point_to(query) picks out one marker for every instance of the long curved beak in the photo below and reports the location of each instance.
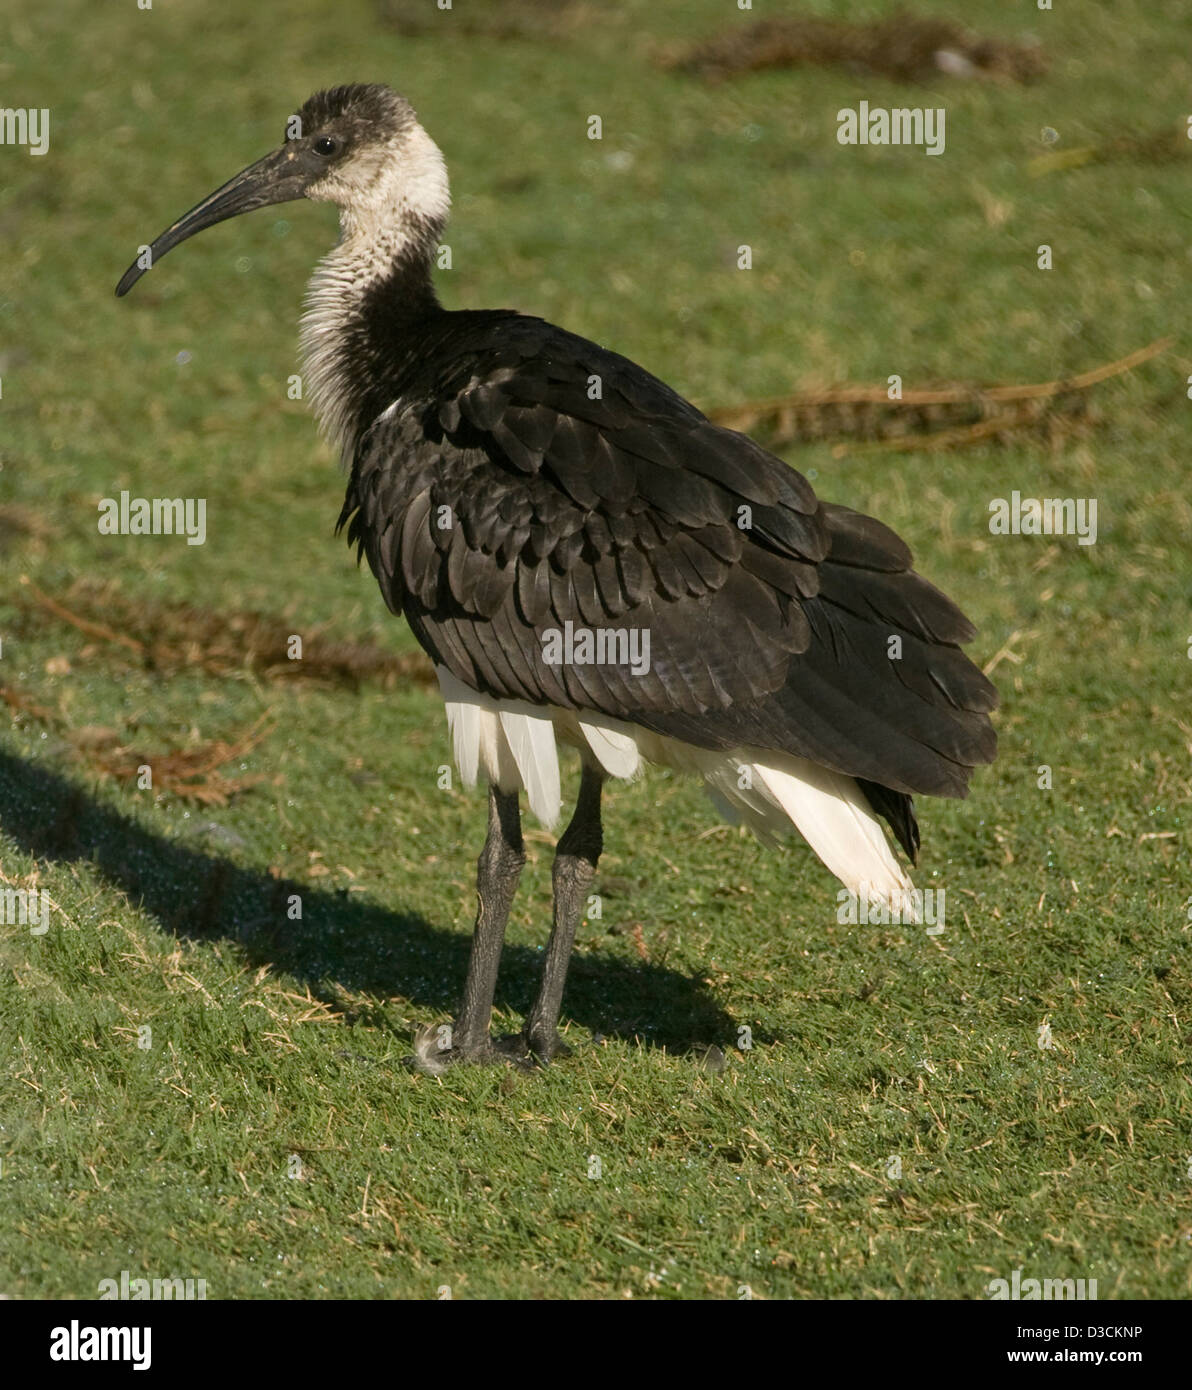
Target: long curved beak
(278, 178)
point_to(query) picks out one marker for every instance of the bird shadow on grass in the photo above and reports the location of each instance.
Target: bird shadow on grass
(340, 943)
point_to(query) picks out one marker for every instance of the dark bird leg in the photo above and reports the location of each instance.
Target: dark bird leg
(575, 864)
(497, 872)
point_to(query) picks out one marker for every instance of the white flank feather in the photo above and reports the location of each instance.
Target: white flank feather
(478, 741)
(532, 743)
(463, 721)
(465, 711)
(617, 753)
(496, 761)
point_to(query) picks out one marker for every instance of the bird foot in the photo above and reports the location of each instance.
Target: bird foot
(545, 1046)
(526, 1051)
(431, 1057)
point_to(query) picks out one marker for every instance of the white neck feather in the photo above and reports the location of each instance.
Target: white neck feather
(379, 225)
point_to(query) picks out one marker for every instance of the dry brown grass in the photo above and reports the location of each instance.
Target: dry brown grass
(904, 47)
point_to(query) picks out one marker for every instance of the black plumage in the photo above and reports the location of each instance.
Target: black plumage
(770, 612)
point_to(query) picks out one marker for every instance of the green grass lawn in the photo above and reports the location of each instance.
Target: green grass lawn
(268, 1139)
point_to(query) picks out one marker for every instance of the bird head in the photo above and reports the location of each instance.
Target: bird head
(359, 147)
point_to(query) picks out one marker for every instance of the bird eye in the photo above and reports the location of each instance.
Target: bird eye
(326, 145)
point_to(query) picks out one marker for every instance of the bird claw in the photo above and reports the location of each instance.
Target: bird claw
(434, 1059)
(514, 1049)
(546, 1049)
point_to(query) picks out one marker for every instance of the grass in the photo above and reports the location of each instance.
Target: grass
(267, 1140)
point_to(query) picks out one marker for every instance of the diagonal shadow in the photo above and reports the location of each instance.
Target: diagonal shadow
(340, 940)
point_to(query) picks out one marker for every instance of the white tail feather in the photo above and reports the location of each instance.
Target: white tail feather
(830, 812)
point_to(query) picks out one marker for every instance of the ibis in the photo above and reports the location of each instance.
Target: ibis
(588, 560)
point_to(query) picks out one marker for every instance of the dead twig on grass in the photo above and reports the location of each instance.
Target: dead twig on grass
(172, 637)
(191, 774)
(934, 417)
(904, 47)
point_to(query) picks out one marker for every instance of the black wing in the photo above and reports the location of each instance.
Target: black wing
(557, 481)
